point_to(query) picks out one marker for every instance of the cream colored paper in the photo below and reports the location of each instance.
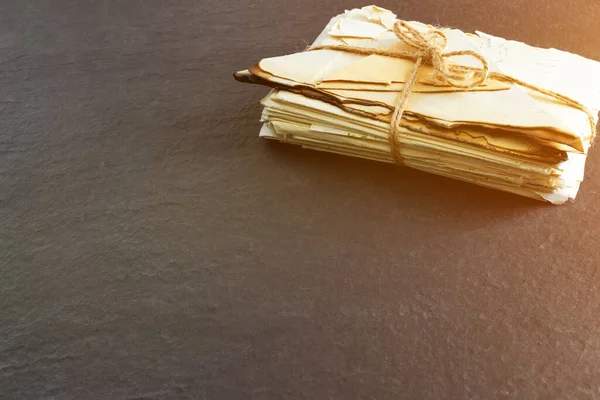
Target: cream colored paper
(497, 135)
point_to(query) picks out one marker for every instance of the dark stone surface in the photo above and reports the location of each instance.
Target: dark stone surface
(151, 246)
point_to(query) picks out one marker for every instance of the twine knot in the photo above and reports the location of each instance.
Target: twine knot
(429, 48)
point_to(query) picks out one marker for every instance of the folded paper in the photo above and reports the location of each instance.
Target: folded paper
(526, 128)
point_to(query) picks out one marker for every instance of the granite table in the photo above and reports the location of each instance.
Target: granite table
(153, 247)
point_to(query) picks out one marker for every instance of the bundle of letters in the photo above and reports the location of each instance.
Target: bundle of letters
(473, 107)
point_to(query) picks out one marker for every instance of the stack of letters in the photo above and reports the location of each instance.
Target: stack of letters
(497, 134)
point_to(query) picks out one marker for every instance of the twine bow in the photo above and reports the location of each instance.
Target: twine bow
(428, 49)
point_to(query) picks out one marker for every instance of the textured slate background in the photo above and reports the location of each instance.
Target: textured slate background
(152, 247)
